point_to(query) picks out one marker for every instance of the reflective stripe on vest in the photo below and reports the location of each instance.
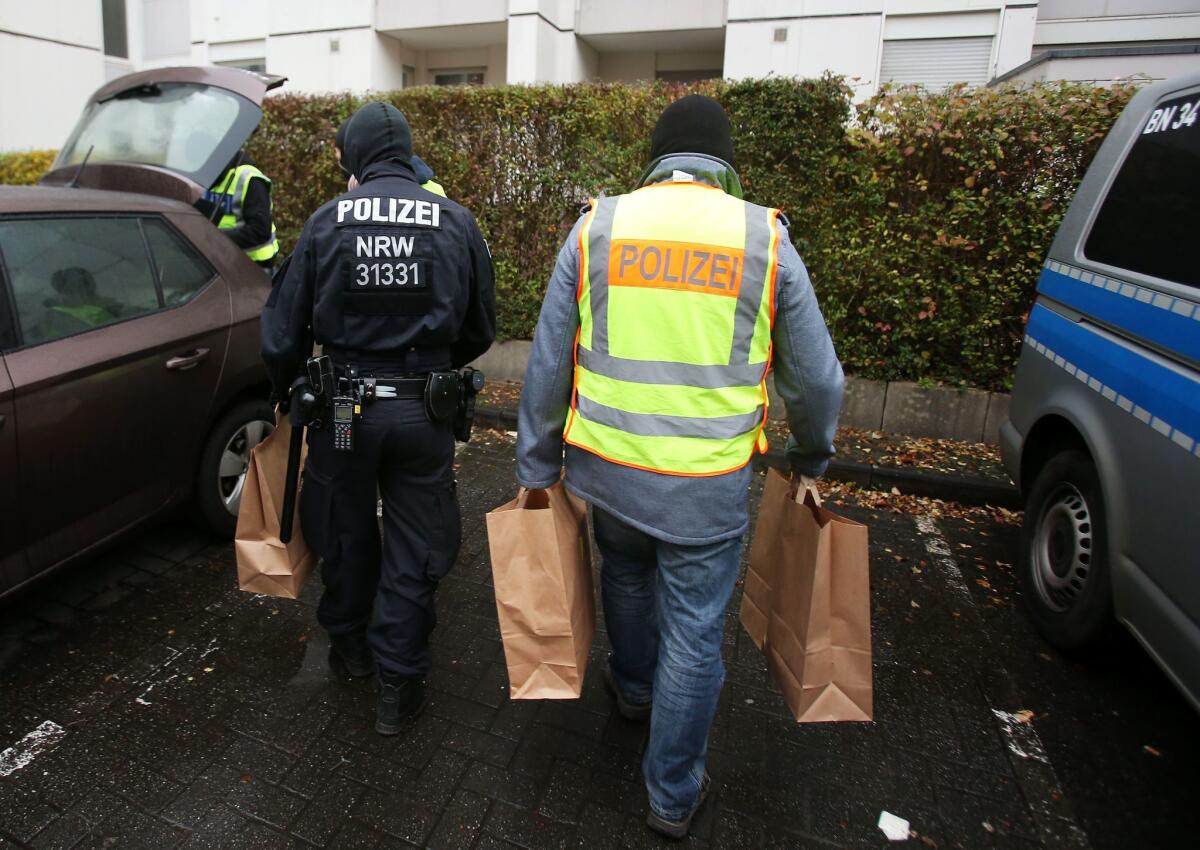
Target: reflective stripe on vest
(234, 187)
(676, 301)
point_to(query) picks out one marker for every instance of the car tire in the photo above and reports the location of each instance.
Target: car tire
(1064, 570)
(222, 471)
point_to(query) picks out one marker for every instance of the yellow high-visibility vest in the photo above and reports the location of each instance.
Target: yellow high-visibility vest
(433, 186)
(230, 194)
(676, 304)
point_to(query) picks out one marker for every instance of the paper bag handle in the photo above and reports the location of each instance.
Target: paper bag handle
(804, 490)
(532, 499)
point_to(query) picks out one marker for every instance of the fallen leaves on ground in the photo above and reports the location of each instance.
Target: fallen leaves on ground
(850, 494)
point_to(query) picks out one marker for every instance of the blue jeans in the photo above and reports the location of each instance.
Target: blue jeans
(664, 606)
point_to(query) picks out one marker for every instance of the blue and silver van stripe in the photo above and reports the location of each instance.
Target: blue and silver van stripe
(1162, 398)
(1168, 321)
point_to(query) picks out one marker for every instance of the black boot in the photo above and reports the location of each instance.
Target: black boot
(350, 656)
(401, 699)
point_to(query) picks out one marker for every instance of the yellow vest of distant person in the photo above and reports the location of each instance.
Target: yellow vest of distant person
(235, 185)
(676, 303)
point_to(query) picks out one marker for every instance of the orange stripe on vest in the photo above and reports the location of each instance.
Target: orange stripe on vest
(685, 266)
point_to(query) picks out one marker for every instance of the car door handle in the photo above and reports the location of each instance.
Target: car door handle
(183, 362)
(3, 419)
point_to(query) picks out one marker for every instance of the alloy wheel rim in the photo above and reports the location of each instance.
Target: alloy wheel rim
(1062, 548)
(235, 461)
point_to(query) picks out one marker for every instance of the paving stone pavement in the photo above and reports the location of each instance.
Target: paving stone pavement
(146, 703)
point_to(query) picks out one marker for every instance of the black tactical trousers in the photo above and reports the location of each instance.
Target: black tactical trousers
(410, 460)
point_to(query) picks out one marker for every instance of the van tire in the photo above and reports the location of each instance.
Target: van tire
(207, 493)
(1063, 569)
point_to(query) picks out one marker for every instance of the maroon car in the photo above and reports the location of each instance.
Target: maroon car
(130, 378)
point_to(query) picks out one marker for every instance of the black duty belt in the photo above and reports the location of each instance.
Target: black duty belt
(395, 387)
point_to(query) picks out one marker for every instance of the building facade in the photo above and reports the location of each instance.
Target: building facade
(53, 53)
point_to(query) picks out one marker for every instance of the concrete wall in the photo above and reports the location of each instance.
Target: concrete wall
(598, 17)
(411, 14)
(51, 60)
(849, 44)
(1089, 23)
(1102, 70)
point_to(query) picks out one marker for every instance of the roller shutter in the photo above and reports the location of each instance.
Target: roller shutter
(937, 62)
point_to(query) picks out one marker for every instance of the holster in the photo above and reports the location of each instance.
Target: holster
(471, 381)
(442, 390)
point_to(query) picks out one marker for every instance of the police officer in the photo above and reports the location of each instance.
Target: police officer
(243, 197)
(424, 173)
(396, 283)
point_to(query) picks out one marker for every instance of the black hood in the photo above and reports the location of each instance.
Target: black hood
(339, 142)
(422, 169)
(378, 132)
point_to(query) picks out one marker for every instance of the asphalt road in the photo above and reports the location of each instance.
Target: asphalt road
(145, 702)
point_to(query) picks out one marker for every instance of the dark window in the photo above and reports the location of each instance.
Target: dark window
(116, 35)
(464, 77)
(181, 271)
(1147, 223)
(70, 275)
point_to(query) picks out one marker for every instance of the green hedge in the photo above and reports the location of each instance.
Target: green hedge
(923, 217)
(26, 168)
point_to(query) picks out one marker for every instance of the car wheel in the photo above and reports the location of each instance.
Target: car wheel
(224, 461)
(1064, 570)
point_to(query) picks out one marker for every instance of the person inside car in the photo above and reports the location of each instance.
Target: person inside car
(77, 306)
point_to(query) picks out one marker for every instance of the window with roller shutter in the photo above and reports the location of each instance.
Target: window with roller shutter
(937, 62)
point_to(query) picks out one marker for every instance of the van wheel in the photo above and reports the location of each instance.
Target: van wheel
(1064, 570)
(224, 460)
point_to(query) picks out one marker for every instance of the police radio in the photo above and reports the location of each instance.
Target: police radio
(344, 406)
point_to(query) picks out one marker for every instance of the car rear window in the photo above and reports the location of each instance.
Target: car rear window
(70, 275)
(181, 271)
(1147, 222)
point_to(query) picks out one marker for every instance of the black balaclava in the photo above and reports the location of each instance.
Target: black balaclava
(378, 132)
(693, 124)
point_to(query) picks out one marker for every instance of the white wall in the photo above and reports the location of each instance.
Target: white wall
(598, 17)
(846, 45)
(312, 65)
(542, 45)
(1103, 70)
(47, 69)
(415, 14)
(41, 115)
(621, 67)
(1015, 39)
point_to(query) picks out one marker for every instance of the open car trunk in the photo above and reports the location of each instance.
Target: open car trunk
(169, 132)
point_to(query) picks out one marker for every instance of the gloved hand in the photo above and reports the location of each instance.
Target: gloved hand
(803, 482)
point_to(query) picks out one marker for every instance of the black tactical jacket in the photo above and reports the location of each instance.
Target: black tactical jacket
(386, 275)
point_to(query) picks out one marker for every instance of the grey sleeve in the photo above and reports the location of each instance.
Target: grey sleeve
(550, 374)
(808, 375)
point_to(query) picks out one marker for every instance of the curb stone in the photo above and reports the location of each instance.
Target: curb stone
(966, 489)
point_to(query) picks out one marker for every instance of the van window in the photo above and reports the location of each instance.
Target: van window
(73, 274)
(181, 271)
(1147, 223)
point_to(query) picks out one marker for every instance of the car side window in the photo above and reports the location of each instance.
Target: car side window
(70, 275)
(181, 271)
(1148, 220)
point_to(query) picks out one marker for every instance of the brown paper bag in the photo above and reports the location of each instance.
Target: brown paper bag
(807, 604)
(265, 565)
(542, 571)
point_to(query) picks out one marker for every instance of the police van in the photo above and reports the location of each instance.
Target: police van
(1104, 431)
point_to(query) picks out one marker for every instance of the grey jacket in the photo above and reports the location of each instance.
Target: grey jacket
(678, 509)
